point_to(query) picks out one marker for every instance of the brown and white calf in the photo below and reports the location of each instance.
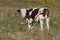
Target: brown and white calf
(35, 14)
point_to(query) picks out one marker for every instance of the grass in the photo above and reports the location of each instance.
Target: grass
(12, 29)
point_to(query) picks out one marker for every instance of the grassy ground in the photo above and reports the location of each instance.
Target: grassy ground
(12, 29)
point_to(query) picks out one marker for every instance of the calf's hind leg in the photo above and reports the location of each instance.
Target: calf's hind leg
(47, 23)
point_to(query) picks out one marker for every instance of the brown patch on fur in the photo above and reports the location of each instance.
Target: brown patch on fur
(46, 12)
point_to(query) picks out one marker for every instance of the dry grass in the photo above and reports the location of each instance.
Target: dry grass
(12, 29)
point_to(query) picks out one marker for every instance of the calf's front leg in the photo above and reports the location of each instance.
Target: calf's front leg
(30, 23)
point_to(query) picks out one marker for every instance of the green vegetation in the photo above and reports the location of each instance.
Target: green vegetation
(10, 21)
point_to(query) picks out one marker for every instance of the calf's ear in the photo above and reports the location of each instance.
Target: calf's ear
(18, 10)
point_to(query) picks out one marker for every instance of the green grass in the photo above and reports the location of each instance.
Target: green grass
(12, 29)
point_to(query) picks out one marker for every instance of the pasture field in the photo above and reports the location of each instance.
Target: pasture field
(12, 29)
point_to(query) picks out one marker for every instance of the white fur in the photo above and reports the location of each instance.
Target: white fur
(41, 18)
(41, 21)
(23, 12)
(40, 11)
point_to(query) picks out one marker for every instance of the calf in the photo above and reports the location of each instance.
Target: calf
(35, 14)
